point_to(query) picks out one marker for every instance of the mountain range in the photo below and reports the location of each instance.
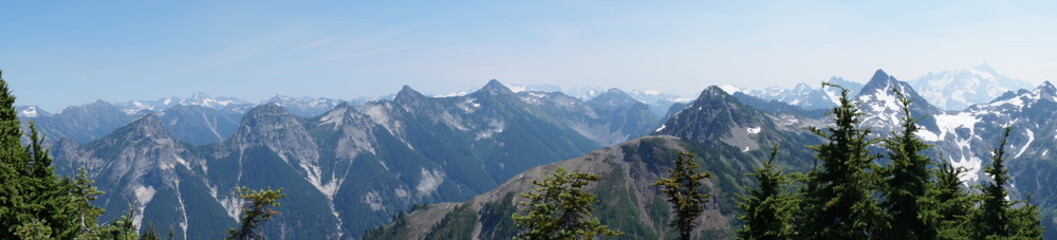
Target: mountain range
(356, 165)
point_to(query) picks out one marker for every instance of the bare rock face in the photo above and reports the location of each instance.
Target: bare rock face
(272, 126)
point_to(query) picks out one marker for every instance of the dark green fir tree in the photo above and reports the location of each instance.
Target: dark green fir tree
(906, 180)
(683, 189)
(765, 209)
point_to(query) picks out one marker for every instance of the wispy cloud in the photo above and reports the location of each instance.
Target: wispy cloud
(247, 49)
(316, 44)
(363, 53)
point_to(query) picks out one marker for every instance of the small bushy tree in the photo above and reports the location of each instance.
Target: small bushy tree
(559, 208)
(683, 189)
(255, 212)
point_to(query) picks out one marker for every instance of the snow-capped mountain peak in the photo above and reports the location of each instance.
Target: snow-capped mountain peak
(31, 111)
(196, 99)
(958, 89)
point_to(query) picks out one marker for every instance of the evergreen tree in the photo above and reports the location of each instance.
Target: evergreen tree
(996, 218)
(49, 196)
(993, 217)
(949, 203)
(13, 161)
(33, 193)
(765, 208)
(150, 233)
(839, 201)
(36, 230)
(906, 180)
(1025, 221)
(84, 194)
(683, 189)
(255, 212)
(559, 208)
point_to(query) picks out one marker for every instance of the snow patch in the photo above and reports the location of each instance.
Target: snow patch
(753, 130)
(373, 200)
(469, 105)
(495, 126)
(1031, 138)
(949, 122)
(454, 94)
(730, 89)
(429, 181)
(518, 89)
(660, 128)
(972, 167)
(401, 193)
(30, 112)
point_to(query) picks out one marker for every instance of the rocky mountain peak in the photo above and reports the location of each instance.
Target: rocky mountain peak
(613, 98)
(494, 87)
(1048, 88)
(880, 81)
(147, 126)
(712, 93)
(716, 115)
(407, 95)
(271, 124)
(267, 109)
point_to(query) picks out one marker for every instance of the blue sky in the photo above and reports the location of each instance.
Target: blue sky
(57, 54)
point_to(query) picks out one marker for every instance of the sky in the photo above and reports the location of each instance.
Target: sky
(61, 53)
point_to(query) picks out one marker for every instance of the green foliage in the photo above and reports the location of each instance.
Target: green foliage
(150, 233)
(255, 211)
(35, 230)
(994, 209)
(35, 201)
(558, 208)
(949, 204)
(121, 228)
(839, 201)
(906, 180)
(683, 189)
(995, 217)
(85, 193)
(765, 209)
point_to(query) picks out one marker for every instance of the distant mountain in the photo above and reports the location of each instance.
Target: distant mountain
(31, 112)
(802, 95)
(658, 101)
(81, 123)
(200, 125)
(197, 99)
(775, 106)
(608, 119)
(958, 89)
(625, 113)
(305, 106)
(880, 104)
